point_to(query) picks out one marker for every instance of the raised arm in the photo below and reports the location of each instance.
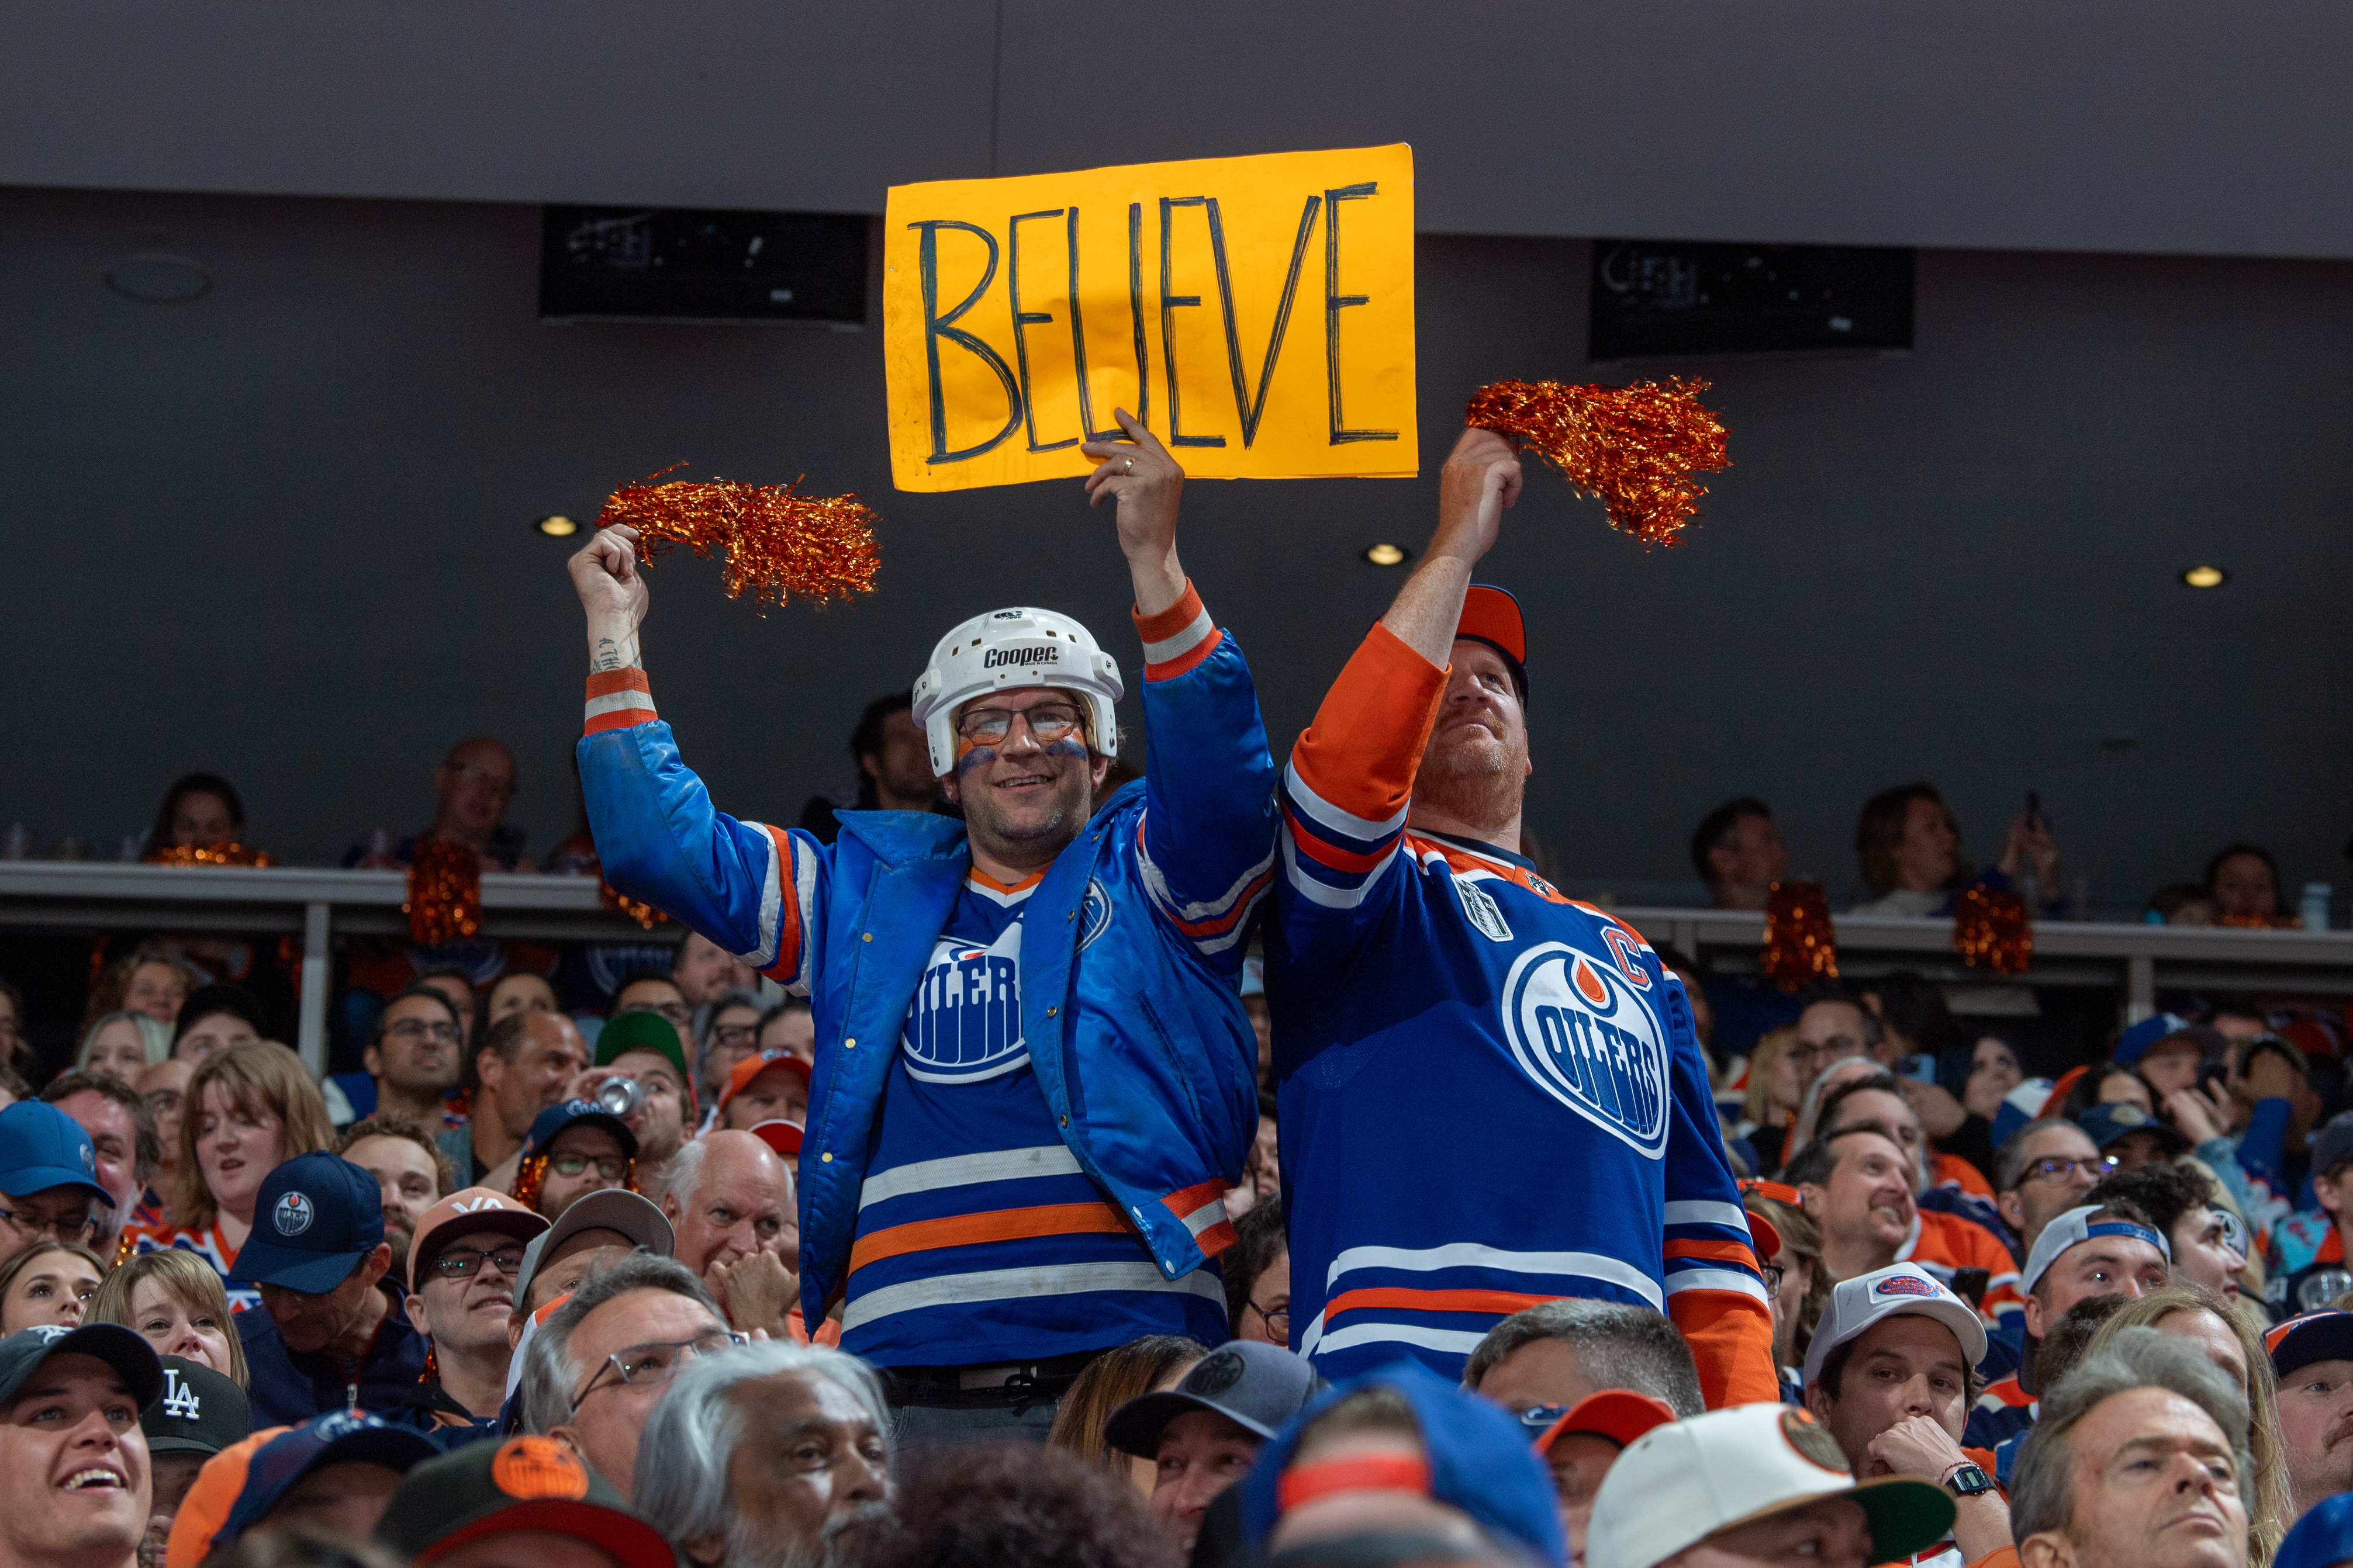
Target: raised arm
(1481, 476)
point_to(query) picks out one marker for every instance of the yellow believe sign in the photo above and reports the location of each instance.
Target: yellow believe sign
(1257, 313)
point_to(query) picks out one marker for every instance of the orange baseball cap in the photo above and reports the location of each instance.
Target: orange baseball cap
(1617, 1414)
(210, 1497)
(1492, 615)
(751, 1068)
(1763, 1238)
(474, 1209)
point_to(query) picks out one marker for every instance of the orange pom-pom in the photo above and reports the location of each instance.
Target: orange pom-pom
(1799, 946)
(779, 545)
(1990, 928)
(1634, 446)
(445, 893)
(207, 855)
(646, 915)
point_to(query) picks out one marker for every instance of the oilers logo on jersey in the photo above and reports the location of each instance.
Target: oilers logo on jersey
(1591, 1041)
(964, 1024)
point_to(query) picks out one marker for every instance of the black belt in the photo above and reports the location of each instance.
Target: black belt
(985, 1385)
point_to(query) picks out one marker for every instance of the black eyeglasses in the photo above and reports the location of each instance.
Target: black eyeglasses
(419, 1029)
(611, 1168)
(658, 1361)
(1048, 722)
(464, 1262)
(1278, 1317)
(735, 1037)
(71, 1226)
(2059, 1170)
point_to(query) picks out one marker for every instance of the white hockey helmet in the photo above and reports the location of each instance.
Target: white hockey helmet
(1008, 649)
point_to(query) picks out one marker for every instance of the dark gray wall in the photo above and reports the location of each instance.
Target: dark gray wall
(2121, 125)
(282, 533)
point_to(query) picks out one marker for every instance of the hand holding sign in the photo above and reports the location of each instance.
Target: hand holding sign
(1144, 483)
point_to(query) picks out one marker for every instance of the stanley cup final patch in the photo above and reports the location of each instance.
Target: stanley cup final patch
(1482, 910)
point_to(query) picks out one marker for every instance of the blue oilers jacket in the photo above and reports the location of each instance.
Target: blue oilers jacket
(1129, 971)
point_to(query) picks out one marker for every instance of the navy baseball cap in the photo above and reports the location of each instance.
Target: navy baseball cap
(2111, 1123)
(338, 1438)
(41, 1147)
(557, 1118)
(117, 1346)
(317, 1216)
(1255, 1387)
(2144, 1036)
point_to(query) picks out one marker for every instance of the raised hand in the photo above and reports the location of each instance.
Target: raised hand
(1481, 476)
(1144, 483)
(613, 593)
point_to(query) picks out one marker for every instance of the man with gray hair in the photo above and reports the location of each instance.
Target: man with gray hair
(730, 1199)
(2138, 1462)
(1555, 1352)
(603, 1360)
(767, 1456)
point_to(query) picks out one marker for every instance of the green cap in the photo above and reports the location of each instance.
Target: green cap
(626, 1032)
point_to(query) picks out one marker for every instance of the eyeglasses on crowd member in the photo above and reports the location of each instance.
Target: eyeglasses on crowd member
(201, 1414)
(165, 1088)
(331, 1334)
(471, 789)
(121, 1134)
(523, 1501)
(2041, 1171)
(248, 1110)
(456, 984)
(1582, 1447)
(1795, 1278)
(47, 1178)
(768, 1453)
(527, 1061)
(50, 1281)
(601, 1361)
(2204, 1319)
(1202, 1436)
(410, 1169)
(75, 1486)
(462, 1278)
(1121, 1373)
(415, 1055)
(732, 1034)
(176, 1301)
(122, 1044)
(1258, 1277)
(574, 1149)
(2135, 1465)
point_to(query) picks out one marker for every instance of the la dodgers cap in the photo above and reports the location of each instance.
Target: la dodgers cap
(1492, 615)
(1682, 1481)
(132, 1357)
(2076, 1227)
(1619, 1415)
(527, 1483)
(201, 1412)
(338, 1438)
(1255, 1387)
(41, 1147)
(317, 1216)
(2110, 1124)
(1896, 1290)
(629, 1214)
(2314, 1336)
(750, 1067)
(557, 1118)
(463, 1214)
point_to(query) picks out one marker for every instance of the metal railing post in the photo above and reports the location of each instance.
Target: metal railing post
(312, 1041)
(2140, 988)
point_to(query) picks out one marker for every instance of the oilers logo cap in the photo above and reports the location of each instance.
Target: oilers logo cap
(1901, 1290)
(1682, 1481)
(41, 1147)
(317, 1216)
(1005, 651)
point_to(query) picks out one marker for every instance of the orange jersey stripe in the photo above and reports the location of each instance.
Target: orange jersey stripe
(788, 913)
(1717, 1251)
(1323, 854)
(1731, 1339)
(999, 1225)
(1399, 1298)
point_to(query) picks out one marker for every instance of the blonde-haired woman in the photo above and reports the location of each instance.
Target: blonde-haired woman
(1774, 1095)
(248, 1110)
(174, 1301)
(122, 1044)
(2205, 1318)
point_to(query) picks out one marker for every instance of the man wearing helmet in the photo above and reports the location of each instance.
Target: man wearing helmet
(1019, 1130)
(1422, 975)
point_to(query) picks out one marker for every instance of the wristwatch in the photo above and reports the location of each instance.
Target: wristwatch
(1969, 1480)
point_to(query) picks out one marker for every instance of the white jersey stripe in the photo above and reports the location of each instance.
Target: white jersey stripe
(1682, 1279)
(966, 1170)
(1157, 885)
(772, 905)
(1472, 1254)
(1694, 1211)
(615, 702)
(1184, 642)
(1460, 1342)
(1208, 1214)
(1323, 893)
(804, 890)
(1317, 809)
(1004, 1284)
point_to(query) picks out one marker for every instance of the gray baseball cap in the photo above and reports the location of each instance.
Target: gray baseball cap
(1257, 1387)
(629, 1214)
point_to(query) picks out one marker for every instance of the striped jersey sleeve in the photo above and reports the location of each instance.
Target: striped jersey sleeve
(1350, 784)
(747, 886)
(1205, 842)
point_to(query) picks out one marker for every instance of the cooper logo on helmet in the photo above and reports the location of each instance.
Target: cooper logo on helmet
(1014, 657)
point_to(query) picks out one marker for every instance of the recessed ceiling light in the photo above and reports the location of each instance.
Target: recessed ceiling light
(557, 526)
(158, 279)
(1386, 554)
(2204, 577)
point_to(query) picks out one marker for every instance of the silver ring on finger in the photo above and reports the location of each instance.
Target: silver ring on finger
(1130, 467)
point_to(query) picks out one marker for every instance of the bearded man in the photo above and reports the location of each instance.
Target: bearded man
(1424, 977)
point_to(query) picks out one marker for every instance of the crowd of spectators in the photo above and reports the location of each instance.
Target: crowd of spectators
(523, 1283)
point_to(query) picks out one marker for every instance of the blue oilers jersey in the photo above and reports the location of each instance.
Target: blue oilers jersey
(979, 1239)
(1491, 1095)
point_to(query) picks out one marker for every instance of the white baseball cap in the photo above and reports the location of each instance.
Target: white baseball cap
(2076, 1227)
(1855, 1304)
(1682, 1481)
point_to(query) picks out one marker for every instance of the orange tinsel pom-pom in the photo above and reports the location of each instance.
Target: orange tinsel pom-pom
(207, 855)
(1799, 946)
(1990, 928)
(777, 543)
(445, 893)
(1634, 446)
(646, 915)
